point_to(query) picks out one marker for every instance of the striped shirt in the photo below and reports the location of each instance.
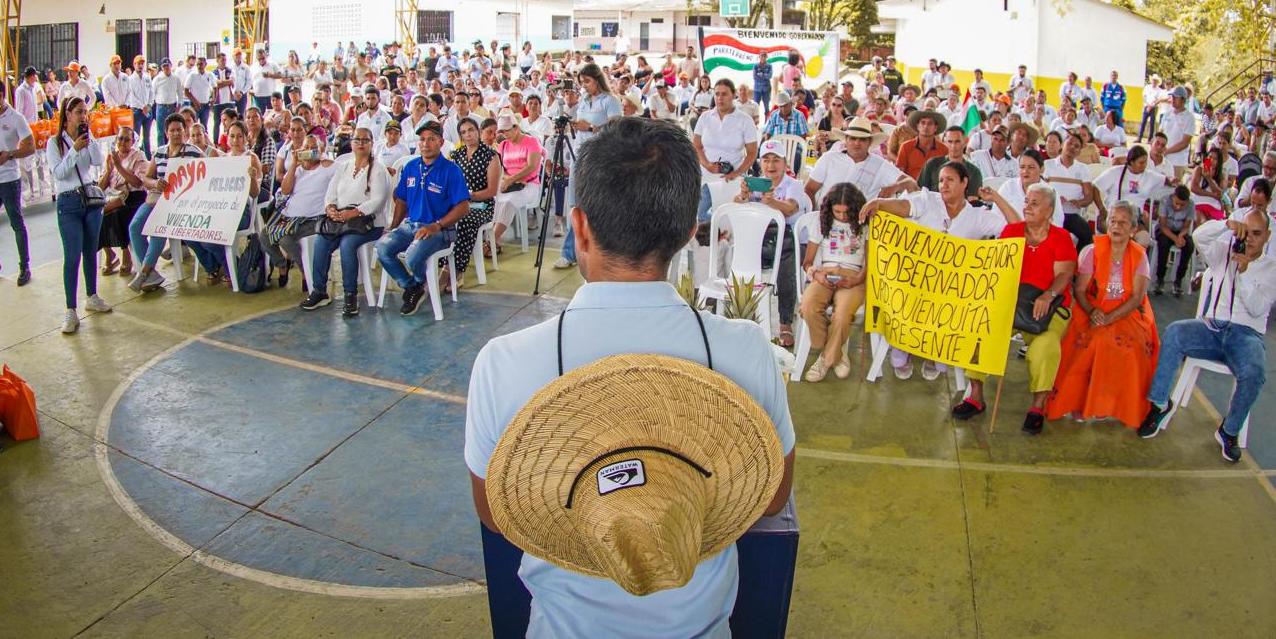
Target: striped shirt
(164, 154)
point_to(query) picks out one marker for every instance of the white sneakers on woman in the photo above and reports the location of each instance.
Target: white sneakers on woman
(71, 321)
(819, 369)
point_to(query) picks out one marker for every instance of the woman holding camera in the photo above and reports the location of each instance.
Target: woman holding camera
(147, 251)
(71, 155)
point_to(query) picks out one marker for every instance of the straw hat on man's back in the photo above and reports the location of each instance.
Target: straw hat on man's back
(634, 468)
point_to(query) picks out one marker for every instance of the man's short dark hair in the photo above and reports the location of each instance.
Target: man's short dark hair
(1183, 193)
(725, 82)
(650, 211)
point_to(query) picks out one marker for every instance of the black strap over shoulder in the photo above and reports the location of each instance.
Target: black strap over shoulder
(708, 353)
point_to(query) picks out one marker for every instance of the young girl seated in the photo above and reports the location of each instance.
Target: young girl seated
(835, 267)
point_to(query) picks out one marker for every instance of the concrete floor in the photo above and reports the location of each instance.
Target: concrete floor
(130, 518)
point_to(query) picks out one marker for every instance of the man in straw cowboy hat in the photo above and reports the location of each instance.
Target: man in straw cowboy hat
(627, 478)
(914, 153)
(872, 174)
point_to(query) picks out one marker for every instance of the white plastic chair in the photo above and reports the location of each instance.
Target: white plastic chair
(880, 349)
(748, 224)
(520, 223)
(1192, 367)
(431, 280)
(1118, 152)
(805, 230)
(489, 230)
(307, 254)
(232, 268)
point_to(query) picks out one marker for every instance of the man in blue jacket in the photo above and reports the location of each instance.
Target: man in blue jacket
(1113, 98)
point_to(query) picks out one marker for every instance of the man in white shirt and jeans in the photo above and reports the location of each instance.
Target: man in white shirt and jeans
(16, 142)
(167, 91)
(199, 90)
(1179, 125)
(726, 143)
(1241, 287)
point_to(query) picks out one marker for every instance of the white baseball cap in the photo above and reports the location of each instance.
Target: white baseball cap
(772, 147)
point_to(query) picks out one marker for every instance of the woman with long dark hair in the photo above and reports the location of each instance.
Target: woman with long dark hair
(482, 170)
(1133, 182)
(72, 154)
(835, 266)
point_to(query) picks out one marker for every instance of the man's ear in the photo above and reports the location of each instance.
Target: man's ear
(584, 234)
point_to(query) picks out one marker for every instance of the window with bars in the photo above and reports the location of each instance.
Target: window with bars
(699, 21)
(48, 46)
(156, 39)
(433, 27)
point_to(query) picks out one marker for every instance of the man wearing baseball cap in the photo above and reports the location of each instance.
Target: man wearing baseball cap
(1179, 124)
(75, 86)
(115, 85)
(631, 500)
(167, 90)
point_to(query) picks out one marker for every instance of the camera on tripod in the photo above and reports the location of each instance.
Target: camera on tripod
(561, 122)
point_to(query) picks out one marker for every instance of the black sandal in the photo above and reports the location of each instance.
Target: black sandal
(966, 409)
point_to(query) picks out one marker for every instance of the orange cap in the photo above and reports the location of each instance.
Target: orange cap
(73, 67)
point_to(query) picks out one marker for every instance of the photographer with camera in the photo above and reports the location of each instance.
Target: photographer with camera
(71, 155)
(726, 143)
(595, 108)
(1241, 282)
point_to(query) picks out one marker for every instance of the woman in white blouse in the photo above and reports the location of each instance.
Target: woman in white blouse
(212, 257)
(355, 214)
(72, 154)
(1109, 136)
(1013, 193)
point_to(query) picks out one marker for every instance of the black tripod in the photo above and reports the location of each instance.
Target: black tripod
(562, 151)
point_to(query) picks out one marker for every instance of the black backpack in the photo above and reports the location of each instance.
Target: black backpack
(251, 268)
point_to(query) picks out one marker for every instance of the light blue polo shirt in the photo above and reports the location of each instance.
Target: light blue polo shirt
(610, 318)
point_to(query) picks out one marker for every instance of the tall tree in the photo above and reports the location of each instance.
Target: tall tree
(857, 17)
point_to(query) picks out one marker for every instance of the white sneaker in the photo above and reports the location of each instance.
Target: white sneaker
(97, 305)
(904, 372)
(843, 369)
(930, 371)
(563, 263)
(151, 282)
(71, 322)
(558, 227)
(135, 284)
(817, 371)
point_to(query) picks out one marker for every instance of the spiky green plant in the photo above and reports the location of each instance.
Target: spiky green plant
(687, 291)
(742, 300)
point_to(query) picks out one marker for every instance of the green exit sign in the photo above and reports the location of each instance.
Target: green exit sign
(734, 8)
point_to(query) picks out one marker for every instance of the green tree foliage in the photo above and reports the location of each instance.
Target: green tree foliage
(857, 17)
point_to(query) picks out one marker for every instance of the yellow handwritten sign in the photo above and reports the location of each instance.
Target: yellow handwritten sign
(940, 297)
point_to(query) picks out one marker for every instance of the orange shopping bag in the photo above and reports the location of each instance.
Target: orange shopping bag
(101, 124)
(17, 407)
(122, 117)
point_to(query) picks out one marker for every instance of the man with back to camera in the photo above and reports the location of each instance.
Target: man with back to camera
(627, 231)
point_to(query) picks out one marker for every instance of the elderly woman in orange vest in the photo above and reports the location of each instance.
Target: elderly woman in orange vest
(1110, 349)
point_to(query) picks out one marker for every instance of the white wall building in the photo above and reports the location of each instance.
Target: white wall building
(53, 33)
(659, 26)
(295, 24)
(1091, 38)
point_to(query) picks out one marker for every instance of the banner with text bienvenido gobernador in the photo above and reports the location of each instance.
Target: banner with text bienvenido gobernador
(940, 297)
(204, 201)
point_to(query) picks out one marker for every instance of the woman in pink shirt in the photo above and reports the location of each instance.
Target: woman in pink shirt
(520, 172)
(792, 71)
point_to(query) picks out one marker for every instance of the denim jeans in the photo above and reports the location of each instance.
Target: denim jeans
(1149, 121)
(146, 250)
(762, 95)
(706, 205)
(201, 117)
(402, 238)
(11, 196)
(162, 111)
(212, 257)
(349, 245)
(142, 127)
(79, 228)
(263, 103)
(565, 199)
(1238, 346)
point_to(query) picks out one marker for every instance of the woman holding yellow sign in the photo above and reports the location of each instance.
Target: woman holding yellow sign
(947, 211)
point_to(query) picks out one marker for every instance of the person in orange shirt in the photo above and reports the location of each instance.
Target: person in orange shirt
(914, 153)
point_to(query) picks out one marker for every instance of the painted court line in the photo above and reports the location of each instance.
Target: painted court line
(298, 364)
(101, 452)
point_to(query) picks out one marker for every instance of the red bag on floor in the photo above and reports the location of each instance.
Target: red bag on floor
(17, 407)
